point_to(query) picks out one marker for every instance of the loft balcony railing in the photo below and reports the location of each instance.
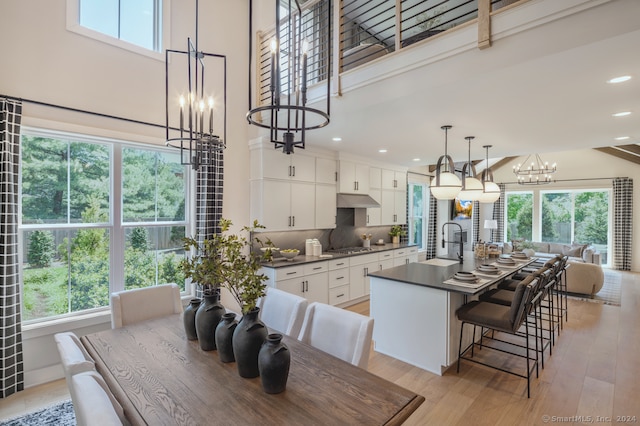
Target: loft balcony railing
(364, 30)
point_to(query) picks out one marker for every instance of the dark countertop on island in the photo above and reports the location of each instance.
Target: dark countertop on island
(424, 274)
(281, 262)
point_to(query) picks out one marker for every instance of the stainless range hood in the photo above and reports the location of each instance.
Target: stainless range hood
(356, 201)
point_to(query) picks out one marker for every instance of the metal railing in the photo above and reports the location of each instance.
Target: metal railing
(367, 29)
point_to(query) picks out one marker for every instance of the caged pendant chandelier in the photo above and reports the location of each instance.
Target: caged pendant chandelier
(190, 106)
(472, 188)
(491, 191)
(446, 185)
(538, 172)
(297, 57)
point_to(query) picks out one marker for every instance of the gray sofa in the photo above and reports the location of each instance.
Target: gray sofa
(584, 273)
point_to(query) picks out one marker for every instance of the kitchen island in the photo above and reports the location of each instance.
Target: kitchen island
(414, 308)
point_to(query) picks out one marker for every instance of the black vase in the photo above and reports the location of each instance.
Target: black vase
(273, 362)
(207, 319)
(224, 337)
(189, 318)
(248, 338)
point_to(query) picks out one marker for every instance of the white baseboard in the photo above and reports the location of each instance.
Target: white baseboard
(43, 375)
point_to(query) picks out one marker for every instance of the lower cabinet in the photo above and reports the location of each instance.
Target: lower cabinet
(310, 281)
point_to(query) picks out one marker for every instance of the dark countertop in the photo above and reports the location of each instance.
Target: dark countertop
(280, 262)
(426, 275)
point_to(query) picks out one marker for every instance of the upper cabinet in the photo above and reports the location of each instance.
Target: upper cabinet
(276, 165)
(353, 178)
(326, 170)
(395, 180)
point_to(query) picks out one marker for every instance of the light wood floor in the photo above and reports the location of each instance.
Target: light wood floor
(594, 371)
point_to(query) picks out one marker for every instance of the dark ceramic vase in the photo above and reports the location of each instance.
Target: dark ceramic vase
(248, 338)
(207, 319)
(273, 362)
(189, 318)
(224, 337)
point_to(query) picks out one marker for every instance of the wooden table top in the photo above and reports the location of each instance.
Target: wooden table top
(162, 378)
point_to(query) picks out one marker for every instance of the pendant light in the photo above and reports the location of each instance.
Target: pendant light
(472, 188)
(491, 190)
(446, 184)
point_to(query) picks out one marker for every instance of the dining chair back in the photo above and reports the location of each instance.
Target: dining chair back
(141, 304)
(343, 334)
(282, 311)
(94, 403)
(74, 357)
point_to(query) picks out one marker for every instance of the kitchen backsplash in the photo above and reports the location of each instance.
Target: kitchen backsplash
(339, 237)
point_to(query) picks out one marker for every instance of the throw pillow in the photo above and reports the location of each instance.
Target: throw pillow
(572, 251)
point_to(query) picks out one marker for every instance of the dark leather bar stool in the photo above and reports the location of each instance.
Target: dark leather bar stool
(501, 318)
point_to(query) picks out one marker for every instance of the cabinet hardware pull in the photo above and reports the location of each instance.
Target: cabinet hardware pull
(340, 264)
(293, 223)
(340, 295)
(307, 284)
(339, 278)
(336, 176)
(367, 218)
(289, 170)
(294, 170)
(303, 286)
(291, 273)
(317, 267)
(366, 272)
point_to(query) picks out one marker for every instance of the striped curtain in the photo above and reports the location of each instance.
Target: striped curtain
(432, 230)
(498, 214)
(475, 215)
(11, 366)
(622, 223)
(209, 184)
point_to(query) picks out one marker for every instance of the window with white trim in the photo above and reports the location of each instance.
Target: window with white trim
(418, 213)
(97, 216)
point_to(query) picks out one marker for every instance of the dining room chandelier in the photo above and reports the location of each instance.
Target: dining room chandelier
(537, 173)
(471, 187)
(446, 185)
(300, 54)
(491, 191)
(190, 107)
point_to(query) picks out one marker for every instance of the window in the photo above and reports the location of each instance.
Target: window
(136, 25)
(576, 216)
(418, 199)
(82, 229)
(519, 215)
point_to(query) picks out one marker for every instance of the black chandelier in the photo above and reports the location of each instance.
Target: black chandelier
(293, 61)
(537, 173)
(191, 128)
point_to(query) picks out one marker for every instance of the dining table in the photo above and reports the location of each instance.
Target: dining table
(162, 378)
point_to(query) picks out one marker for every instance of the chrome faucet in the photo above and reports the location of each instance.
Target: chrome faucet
(461, 242)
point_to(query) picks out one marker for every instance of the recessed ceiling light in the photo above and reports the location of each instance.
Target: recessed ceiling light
(620, 79)
(622, 114)
(416, 159)
(382, 151)
(622, 138)
(336, 139)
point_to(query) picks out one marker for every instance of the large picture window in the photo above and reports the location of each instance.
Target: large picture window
(418, 199)
(86, 234)
(519, 222)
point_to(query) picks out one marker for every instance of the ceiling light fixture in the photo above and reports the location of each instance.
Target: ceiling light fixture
(447, 185)
(337, 139)
(622, 138)
(491, 191)
(191, 128)
(620, 79)
(537, 173)
(471, 187)
(288, 115)
(622, 114)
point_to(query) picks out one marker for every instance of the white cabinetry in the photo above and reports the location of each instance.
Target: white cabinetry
(309, 281)
(393, 197)
(395, 180)
(339, 281)
(276, 165)
(353, 178)
(358, 276)
(283, 205)
(325, 202)
(326, 171)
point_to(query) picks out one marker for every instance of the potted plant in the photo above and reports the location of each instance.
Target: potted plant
(396, 232)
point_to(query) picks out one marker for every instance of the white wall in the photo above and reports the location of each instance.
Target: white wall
(43, 61)
(584, 164)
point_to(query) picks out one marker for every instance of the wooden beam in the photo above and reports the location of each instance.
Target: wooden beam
(631, 148)
(484, 24)
(620, 154)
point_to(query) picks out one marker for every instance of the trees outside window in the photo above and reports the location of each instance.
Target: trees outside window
(519, 216)
(417, 214)
(72, 246)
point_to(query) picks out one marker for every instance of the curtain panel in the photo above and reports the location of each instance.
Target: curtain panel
(11, 363)
(209, 185)
(498, 214)
(622, 223)
(432, 230)
(476, 223)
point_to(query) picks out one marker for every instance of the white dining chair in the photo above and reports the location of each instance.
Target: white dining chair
(94, 403)
(73, 355)
(141, 304)
(343, 334)
(282, 311)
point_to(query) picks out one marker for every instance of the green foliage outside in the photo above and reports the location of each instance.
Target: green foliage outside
(69, 182)
(41, 249)
(519, 216)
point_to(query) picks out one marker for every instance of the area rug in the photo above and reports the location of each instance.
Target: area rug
(60, 414)
(609, 294)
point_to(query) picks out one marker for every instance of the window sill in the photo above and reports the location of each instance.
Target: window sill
(48, 328)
